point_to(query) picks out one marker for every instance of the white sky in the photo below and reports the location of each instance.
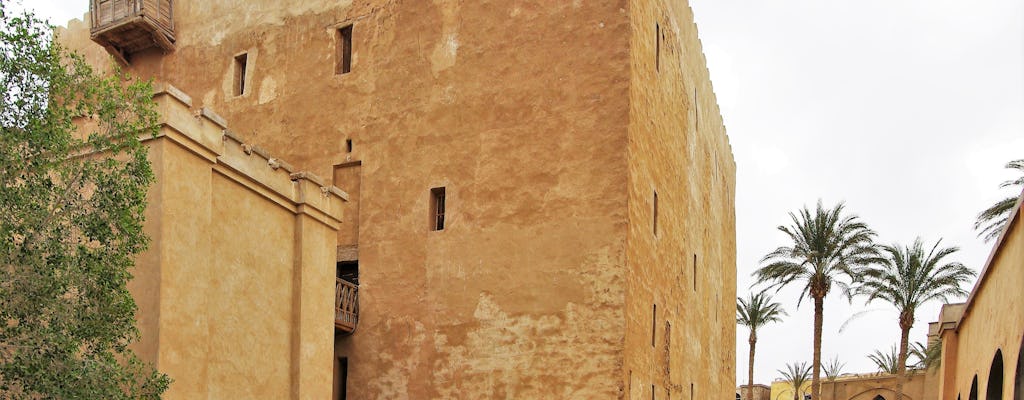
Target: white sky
(905, 109)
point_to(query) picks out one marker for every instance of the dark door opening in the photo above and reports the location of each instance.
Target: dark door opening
(349, 271)
(994, 388)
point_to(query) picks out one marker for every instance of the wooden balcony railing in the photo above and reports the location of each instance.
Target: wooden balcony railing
(127, 26)
(346, 305)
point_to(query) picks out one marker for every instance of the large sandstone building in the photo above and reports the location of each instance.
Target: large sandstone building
(536, 198)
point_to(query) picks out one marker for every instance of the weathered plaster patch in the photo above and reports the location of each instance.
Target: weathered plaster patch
(446, 50)
(268, 90)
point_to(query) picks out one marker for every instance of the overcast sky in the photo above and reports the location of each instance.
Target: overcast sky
(907, 110)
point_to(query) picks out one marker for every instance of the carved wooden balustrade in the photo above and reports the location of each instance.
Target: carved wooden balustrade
(346, 305)
(124, 27)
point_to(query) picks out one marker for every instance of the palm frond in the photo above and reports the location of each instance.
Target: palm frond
(887, 363)
(832, 368)
(929, 356)
(758, 310)
(992, 220)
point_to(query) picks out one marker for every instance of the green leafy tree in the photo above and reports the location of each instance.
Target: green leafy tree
(71, 214)
(828, 250)
(796, 374)
(754, 312)
(990, 222)
(887, 363)
(909, 276)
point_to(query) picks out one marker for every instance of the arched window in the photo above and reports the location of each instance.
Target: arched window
(994, 389)
(1018, 380)
(974, 389)
(878, 397)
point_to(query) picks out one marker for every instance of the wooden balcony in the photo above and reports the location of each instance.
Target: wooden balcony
(346, 305)
(124, 27)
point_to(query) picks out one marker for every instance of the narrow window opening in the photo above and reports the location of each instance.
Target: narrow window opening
(348, 145)
(696, 112)
(668, 352)
(655, 213)
(342, 378)
(657, 47)
(437, 208)
(654, 323)
(344, 56)
(691, 390)
(652, 392)
(240, 66)
(695, 272)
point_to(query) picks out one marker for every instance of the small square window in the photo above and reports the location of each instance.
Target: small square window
(437, 200)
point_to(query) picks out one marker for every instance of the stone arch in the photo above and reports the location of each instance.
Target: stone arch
(1018, 379)
(994, 388)
(878, 393)
(974, 389)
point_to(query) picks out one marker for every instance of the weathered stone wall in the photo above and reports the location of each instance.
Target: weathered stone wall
(919, 385)
(681, 270)
(991, 325)
(518, 108)
(522, 110)
(234, 266)
(761, 392)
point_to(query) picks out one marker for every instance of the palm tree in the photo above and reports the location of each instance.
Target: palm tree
(832, 368)
(796, 374)
(828, 248)
(755, 312)
(991, 221)
(908, 277)
(929, 356)
(887, 363)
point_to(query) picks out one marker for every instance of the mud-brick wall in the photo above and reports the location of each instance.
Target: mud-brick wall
(681, 270)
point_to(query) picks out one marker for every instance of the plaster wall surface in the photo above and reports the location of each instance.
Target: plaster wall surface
(761, 392)
(240, 259)
(681, 267)
(540, 123)
(919, 385)
(992, 321)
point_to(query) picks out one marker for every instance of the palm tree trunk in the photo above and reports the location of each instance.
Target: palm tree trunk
(819, 306)
(750, 369)
(906, 321)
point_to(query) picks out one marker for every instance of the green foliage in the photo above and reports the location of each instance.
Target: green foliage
(832, 368)
(757, 310)
(796, 374)
(71, 215)
(887, 363)
(828, 249)
(908, 276)
(927, 356)
(826, 246)
(990, 223)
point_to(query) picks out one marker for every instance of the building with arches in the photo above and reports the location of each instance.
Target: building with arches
(983, 338)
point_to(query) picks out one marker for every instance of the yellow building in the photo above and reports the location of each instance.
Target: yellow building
(540, 199)
(783, 390)
(983, 338)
